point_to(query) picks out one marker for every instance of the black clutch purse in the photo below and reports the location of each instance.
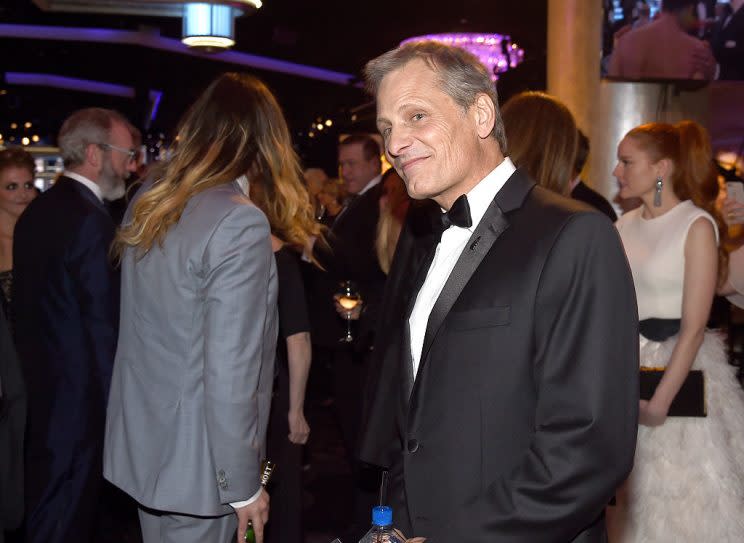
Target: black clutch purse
(689, 401)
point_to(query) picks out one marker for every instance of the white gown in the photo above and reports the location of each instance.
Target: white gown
(687, 483)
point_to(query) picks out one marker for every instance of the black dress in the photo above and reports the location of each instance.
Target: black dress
(6, 283)
(286, 485)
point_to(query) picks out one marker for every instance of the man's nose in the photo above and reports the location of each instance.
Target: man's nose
(398, 141)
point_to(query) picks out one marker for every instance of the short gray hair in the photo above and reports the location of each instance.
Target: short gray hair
(85, 127)
(461, 75)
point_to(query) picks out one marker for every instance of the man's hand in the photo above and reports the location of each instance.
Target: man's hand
(257, 513)
(298, 427)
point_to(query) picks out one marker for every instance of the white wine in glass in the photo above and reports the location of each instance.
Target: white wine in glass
(348, 297)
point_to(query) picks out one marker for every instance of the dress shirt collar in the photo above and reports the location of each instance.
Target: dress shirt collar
(94, 188)
(374, 181)
(481, 195)
(242, 182)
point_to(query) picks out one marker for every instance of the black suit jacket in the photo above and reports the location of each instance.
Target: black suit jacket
(66, 303)
(350, 255)
(728, 46)
(522, 419)
(586, 194)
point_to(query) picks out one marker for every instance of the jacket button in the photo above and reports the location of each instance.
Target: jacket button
(413, 445)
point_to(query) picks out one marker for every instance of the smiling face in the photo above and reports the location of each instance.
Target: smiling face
(635, 172)
(16, 190)
(433, 142)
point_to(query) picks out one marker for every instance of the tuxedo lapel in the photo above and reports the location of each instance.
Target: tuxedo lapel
(345, 211)
(492, 225)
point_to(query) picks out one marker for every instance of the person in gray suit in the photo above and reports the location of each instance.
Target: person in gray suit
(191, 388)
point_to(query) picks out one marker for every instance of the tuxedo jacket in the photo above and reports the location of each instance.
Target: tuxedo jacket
(66, 305)
(521, 421)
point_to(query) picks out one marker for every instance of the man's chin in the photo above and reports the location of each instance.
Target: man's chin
(419, 192)
(116, 191)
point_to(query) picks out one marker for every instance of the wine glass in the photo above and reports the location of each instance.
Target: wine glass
(320, 212)
(348, 297)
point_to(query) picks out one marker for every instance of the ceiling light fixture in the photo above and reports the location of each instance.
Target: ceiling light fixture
(211, 27)
(495, 51)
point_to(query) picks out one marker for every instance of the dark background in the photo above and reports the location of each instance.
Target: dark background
(331, 34)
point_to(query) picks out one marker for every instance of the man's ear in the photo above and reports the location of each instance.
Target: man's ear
(485, 115)
(93, 155)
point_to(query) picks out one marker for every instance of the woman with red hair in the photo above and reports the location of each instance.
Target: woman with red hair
(691, 433)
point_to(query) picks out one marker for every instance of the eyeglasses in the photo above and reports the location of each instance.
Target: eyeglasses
(131, 153)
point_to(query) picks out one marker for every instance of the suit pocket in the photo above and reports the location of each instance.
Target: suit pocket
(479, 318)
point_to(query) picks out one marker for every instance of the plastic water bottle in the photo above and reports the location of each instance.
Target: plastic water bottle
(382, 530)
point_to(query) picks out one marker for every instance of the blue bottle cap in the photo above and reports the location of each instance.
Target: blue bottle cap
(382, 515)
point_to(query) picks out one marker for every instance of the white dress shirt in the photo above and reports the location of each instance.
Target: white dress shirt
(452, 244)
(372, 182)
(87, 182)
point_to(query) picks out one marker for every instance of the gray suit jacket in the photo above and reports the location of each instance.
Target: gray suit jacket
(192, 380)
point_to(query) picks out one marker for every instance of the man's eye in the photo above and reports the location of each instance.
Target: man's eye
(418, 116)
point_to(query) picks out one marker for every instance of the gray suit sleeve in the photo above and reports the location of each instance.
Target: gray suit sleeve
(238, 310)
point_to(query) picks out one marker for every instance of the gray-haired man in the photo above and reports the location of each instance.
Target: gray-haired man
(65, 299)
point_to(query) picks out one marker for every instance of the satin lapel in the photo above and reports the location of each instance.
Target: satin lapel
(492, 225)
(489, 229)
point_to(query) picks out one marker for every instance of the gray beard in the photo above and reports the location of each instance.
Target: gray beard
(112, 185)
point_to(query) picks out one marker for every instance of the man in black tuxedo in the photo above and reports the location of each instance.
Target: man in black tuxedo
(506, 388)
(351, 255)
(65, 298)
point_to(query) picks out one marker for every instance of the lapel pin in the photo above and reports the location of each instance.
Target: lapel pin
(473, 245)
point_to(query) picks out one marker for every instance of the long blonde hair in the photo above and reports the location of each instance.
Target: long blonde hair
(235, 128)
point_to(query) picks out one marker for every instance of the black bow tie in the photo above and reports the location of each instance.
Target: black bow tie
(458, 215)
